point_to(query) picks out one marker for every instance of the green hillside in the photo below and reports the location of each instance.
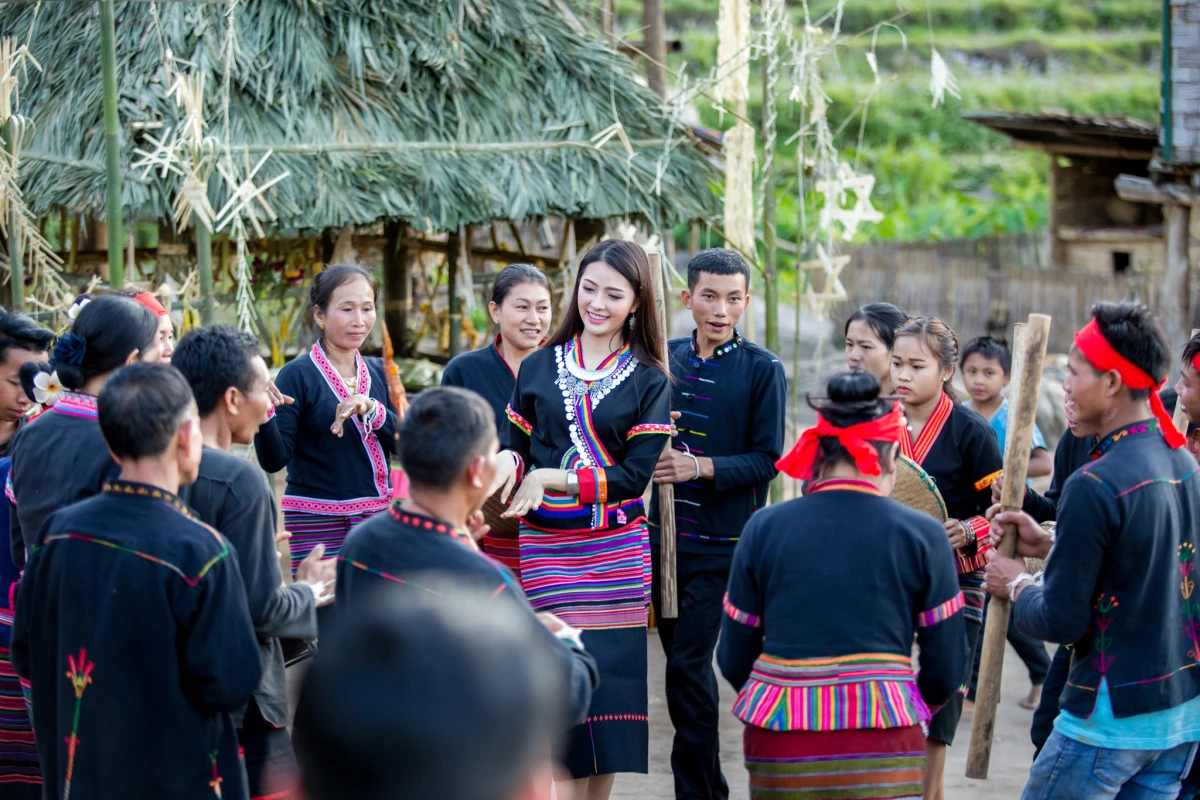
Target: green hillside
(938, 176)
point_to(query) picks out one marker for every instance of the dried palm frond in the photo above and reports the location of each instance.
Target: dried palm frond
(361, 75)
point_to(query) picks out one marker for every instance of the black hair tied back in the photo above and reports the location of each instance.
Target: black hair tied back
(853, 398)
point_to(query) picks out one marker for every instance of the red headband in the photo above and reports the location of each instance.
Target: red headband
(151, 302)
(856, 439)
(1101, 355)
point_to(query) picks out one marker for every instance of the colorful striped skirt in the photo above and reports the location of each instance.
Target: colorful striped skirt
(866, 764)
(20, 771)
(309, 530)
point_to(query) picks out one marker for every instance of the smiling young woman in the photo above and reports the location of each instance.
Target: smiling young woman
(336, 434)
(585, 429)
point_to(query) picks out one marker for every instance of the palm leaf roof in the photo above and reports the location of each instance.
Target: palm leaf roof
(434, 112)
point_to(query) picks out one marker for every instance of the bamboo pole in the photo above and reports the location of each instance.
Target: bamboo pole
(655, 22)
(1180, 418)
(669, 597)
(1029, 359)
(16, 264)
(112, 145)
(204, 268)
(453, 254)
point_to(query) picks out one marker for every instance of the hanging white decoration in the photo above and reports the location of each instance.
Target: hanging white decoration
(942, 80)
(835, 190)
(832, 290)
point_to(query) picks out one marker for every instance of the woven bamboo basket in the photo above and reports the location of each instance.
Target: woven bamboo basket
(916, 489)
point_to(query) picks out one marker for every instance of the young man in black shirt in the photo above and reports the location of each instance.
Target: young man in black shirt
(728, 405)
(230, 382)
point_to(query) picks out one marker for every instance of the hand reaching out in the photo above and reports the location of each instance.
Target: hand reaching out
(319, 573)
(354, 404)
(477, 527)
(278, 398)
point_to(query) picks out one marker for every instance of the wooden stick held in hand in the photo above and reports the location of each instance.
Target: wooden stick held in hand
(669, 600)
(1179, 418)
(1029, 358)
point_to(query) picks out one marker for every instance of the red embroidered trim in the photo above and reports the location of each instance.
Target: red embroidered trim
(518, 420)
(375, 455)
(647, 427)
(933, 427)
(983, 545)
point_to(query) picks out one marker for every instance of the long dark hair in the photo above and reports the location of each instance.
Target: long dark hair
(107, 330)
(882, 318)
(645, 336)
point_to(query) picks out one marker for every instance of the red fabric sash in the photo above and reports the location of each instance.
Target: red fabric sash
(1101, 355)
(856, 439)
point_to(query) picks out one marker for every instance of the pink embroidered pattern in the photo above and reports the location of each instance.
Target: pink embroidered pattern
(939, 613)
(379, 463)
(738, 615)
(76, 404)
(1191, 607)
(1104, 606)
(333, 508)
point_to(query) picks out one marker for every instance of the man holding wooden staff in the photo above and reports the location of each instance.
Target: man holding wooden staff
(1119, 585)
(728, 407)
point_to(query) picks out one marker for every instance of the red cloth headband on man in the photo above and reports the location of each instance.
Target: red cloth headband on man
(1101, 355)
(151, 302)
(856, 439)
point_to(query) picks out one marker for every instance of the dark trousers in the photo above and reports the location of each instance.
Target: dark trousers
(692, 699)
(1031, 651)
(1047, 710)
(270, 764)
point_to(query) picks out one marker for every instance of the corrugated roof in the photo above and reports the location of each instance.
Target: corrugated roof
(1061, 132)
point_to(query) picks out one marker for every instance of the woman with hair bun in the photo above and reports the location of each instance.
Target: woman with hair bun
(520, 309)
(336, 436)
(831, 699)
(61, 458)
(958, 449)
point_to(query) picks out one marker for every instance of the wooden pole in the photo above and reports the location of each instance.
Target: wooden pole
(16, 264)
(204, 267)
(607, 12)
(669, 597)
(453, 253)
(1022, 415)
(112, 145)
(1176, 288)
(1180, 418)
(655, 22)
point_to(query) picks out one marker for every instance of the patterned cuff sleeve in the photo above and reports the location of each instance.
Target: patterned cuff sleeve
(979, 543)
(375, 419)
(8, 489)
(939, 613)
(737, 615)
(271, 413)
(593, 486)
(648, 427)
(521, 468)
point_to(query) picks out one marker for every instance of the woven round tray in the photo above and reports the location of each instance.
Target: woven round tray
(506, 528)
(915, 489)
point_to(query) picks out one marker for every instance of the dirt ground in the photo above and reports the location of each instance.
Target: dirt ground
(1011, 750)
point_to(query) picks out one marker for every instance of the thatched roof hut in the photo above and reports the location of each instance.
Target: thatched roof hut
(433, 114)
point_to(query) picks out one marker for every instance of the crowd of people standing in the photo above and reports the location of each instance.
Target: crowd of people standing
(146, 626)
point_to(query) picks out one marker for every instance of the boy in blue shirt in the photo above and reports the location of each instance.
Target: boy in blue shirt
(986, 366)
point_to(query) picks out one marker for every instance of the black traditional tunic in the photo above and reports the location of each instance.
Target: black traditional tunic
(848, 668)
(485, 372)
(958, 449)
(332, 482)
(399, 547)
(587, 558)
(58, 459)
(132, 627)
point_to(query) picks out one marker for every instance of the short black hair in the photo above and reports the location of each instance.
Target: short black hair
(214, 358)
(718, 261)
(1191, 350)
(141, 408)
(443, 430)
(1135, 333)
(414, 682)
(19, 332)
(993, 348)
(884, 319)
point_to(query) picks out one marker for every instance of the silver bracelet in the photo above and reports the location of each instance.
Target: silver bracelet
(687, 451)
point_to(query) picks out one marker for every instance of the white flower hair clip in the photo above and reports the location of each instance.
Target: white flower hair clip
(77, 307)
(46, 388)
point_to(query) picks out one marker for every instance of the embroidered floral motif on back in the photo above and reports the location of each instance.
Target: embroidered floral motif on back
(1104, 606)
(79, 673)
(1191, 606)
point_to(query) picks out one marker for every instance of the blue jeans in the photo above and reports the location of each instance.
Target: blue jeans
(1070, 770)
